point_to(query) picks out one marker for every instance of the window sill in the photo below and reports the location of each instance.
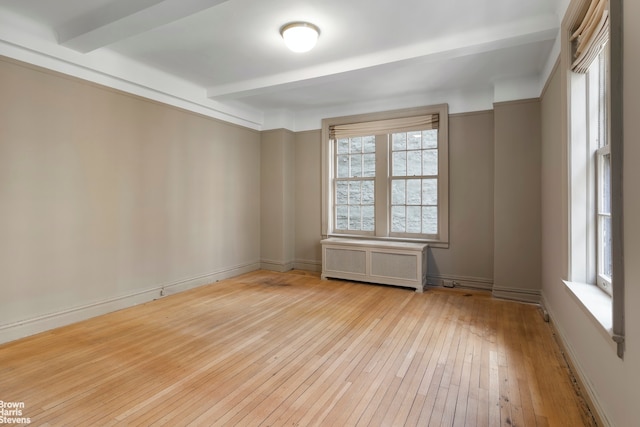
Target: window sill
(596, 302)
(432, 243)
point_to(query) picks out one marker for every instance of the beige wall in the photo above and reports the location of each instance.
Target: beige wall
(277, 200)
(308, 199)
(106, 198)
(469, 258)
(612, 382)
(517, 223)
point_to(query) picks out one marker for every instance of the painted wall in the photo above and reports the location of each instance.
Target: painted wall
(106, 198)
(611, 381)
(469, 258)
(517, 222)
(308, 196)
(277, 200)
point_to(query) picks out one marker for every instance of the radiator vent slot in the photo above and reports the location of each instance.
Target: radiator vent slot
(394, 265)
(346, 260)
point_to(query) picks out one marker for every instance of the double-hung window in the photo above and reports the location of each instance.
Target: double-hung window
(592, 51)
(386, 175)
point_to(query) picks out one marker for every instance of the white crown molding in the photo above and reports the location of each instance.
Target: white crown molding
(107, 68)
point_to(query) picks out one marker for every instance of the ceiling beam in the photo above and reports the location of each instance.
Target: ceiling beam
(125, 18)
(514, 34)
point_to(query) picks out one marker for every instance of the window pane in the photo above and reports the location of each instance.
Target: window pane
(399, 141)
(430, 191)
(414, 140)
(605, 197)
(355, 194)
(606, 247)
(369, 165)
(343, 146)
(399, 163)
(355, 218)
(414, 163)
(368, 218)
(414, 192)
(430, 138)
(368, 193)
(430, 220)
(342, 192)
(369, 144)
(343, 166)
(398, 192)
(430, 162)
(603, 126)
(356, 165)
(414, 219)
(341, 217)
(398, 221)
(356, 145)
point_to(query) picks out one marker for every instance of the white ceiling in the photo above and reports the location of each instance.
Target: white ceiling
(226, 59)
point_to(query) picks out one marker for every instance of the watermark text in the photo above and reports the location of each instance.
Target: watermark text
(13, 413)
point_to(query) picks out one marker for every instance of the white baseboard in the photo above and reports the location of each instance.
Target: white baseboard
(524, 295)
(466, 282)
(45, 322)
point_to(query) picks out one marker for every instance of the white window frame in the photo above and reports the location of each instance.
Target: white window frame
(383, 183)
(582, 269)
(589, 143)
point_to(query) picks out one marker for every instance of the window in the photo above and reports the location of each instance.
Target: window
(591, 239)
(592, 54)
(386, 175)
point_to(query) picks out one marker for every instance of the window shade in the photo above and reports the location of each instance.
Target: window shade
(591, 35)
(378, 127)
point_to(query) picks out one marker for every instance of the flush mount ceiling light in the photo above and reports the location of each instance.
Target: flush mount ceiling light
(300, 36)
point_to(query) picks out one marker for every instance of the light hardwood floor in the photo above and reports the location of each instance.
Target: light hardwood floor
(288, 349)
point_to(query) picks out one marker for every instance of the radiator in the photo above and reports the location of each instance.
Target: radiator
(374, 261)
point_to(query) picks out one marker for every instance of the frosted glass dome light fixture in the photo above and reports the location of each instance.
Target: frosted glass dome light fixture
(300, 36)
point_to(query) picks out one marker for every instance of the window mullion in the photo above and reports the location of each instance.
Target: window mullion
(382, 185)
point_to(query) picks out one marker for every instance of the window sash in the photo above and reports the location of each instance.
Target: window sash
(597, 95)
(413, 207)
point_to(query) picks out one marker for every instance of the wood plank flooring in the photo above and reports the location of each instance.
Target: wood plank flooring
(288, 349)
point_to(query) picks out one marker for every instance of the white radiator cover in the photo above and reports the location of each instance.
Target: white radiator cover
(374, 261)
